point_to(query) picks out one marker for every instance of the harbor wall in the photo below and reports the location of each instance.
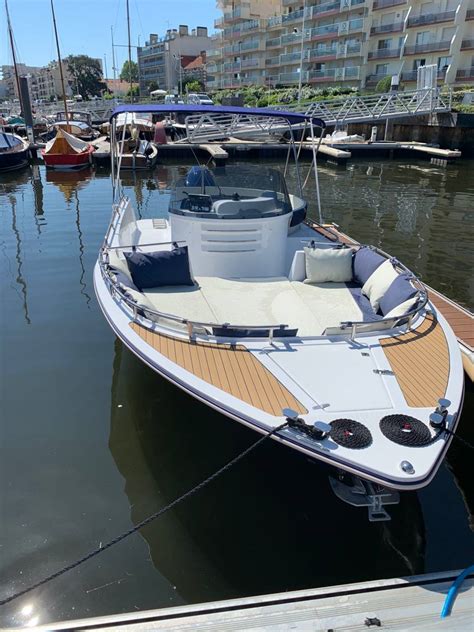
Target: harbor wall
(449, 131)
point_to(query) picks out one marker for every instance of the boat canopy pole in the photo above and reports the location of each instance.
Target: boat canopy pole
(316, 178)
(298, 177)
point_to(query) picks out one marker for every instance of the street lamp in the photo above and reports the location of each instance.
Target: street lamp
(300, 81)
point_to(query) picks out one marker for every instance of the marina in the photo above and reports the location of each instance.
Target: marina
(237, 356)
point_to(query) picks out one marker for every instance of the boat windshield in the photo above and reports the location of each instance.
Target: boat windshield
(232, 183)
(74, 116)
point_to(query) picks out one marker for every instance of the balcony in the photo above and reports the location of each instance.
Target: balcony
(384, 53)
(384, 4)
(251, 63)
(293, 58)
(395, 27)
(273, 61)
(327, 8)
(432, 18)
(432, 47)
(329, 52)
(275, 42)
(465, 73)
(232, 67)
(293, 77)
(373, 80)
(412, 75)
(334, 74)
(321, 32)
(215, 52)
(467, 44)
(219, 22)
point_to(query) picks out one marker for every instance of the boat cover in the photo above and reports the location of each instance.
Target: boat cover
(56, 144)
(7, 141)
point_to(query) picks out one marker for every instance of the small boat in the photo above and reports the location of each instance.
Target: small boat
(79, 124)
(136, 154)
(13, 152)
(270, 319)
(65, 151)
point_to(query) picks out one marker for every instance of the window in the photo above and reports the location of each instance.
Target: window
(384, 44)
(419, 62)
(443, 63)
(381, 69)
(423, 38)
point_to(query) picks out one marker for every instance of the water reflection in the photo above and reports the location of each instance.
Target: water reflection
(19, 259)
(69, 183)
(267, 525)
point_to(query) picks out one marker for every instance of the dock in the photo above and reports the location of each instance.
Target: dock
(407, 603)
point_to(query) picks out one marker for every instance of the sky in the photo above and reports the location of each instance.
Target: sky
(84, 26)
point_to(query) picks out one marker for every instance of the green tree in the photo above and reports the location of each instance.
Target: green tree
(129, 72)
(192, 85)
(86, 75)
(384, 84)
(134, 92)
(152, 85)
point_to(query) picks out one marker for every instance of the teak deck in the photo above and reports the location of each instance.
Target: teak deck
(420, 362)
(232, 369)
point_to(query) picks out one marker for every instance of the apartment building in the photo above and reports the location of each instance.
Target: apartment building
(162, 59)
(341, 42)
(10, 88)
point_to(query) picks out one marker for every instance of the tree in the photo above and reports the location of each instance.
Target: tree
(191, 85)
(384, 84)
(134, 92)
(152, 85)
(129, 68)
(86, 75)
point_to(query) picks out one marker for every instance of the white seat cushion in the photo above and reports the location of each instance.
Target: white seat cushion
(378, 283)
(184, 301)
(325, 265)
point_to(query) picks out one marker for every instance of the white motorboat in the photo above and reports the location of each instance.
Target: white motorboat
(236, 300)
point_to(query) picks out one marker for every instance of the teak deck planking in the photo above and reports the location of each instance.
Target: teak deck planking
(232, 369)
(420, 362)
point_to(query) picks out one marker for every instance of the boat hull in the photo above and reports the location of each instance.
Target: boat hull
(13, 161)
(68, 161)
(114, 316)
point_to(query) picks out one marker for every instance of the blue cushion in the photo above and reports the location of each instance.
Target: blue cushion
(363, 303)
(229, 332)
(399, 291)
(155, 269)
(366, 261)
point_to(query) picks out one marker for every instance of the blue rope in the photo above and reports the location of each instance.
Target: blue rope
(453, 591)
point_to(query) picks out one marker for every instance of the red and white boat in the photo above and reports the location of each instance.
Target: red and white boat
(65, 151)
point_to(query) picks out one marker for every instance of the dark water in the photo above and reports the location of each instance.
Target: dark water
(92, 441)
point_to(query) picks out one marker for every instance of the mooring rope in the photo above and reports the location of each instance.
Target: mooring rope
(143, 523)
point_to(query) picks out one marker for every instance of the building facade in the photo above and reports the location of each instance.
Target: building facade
(340, 42)
(161, 60)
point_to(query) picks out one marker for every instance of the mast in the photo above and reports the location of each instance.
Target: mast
(129, 52)
(60, 67)
(113, 55)
(12, 44)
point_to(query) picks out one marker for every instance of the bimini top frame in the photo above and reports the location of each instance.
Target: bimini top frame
(293, 118)
(206, 122)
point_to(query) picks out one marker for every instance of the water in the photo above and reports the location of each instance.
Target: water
(92, 441)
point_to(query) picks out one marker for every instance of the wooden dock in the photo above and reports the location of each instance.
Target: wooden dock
(408, 604)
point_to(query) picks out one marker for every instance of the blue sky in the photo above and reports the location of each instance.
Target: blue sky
(84, 26)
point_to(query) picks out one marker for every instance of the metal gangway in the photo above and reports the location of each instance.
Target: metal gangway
(377, 107)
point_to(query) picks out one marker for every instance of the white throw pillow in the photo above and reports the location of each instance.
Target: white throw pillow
(325, 265)
(378, 283)
(403, 308)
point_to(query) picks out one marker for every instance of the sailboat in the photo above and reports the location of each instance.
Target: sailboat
(13, 148)
(271, 320)
(65, 151)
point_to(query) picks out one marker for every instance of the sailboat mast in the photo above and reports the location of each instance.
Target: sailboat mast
(60, 67)
(129, 52)
(113, 55)
(12, 44)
